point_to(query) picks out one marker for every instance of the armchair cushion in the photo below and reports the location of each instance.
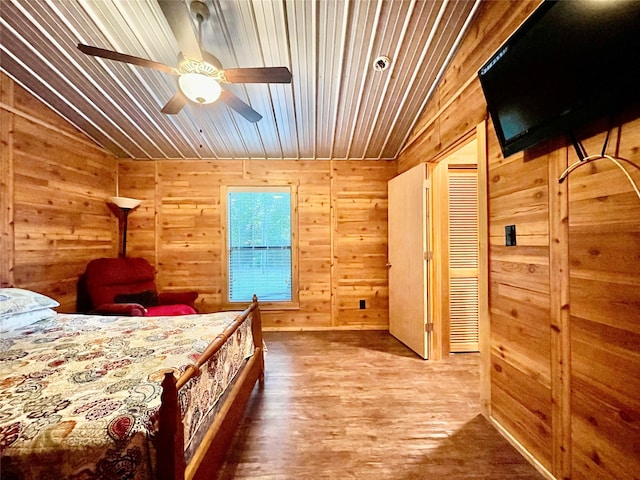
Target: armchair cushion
(148, 298)
(121, 309)
(169, 310)
(171, 298)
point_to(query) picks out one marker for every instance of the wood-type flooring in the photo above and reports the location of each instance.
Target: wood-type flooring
(360, 405)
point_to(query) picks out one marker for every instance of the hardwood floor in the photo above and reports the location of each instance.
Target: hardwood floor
(356, 405)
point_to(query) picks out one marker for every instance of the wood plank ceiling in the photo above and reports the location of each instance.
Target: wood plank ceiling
(337, 106)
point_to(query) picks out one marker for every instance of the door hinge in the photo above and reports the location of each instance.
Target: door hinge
(428, 327)
(428, 256)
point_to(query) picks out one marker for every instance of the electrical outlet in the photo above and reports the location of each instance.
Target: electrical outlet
(363, 304)
(510, 235)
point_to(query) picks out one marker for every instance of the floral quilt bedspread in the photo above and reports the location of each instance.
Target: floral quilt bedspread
(79, 394)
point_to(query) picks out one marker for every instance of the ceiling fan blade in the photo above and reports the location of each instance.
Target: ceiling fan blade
(122, 57)
(177, 14)
(239, 106)
(258, 75)
(174, 105)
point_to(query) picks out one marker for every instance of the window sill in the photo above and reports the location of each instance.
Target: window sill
(264, 306)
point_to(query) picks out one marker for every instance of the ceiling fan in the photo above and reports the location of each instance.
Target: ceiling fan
(201, 77)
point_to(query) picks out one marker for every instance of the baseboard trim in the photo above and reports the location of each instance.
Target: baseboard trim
(324, 329)
(522, 450)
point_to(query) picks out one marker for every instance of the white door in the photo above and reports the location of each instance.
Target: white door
(408, 317)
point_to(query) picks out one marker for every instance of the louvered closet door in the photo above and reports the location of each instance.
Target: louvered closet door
(463, 259)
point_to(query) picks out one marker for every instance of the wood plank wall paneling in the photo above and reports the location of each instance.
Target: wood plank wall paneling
(55, 219)
(138, 180)
(564, 303)
(6, 182)
(604, 290)
(54, 211)
(457, 104)
(360, 245)
(349, 263)
(559, 316)
(519, 301)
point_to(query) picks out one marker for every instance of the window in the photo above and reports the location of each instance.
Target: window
(260, 252)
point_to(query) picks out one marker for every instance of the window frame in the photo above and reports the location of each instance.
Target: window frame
(294, 303)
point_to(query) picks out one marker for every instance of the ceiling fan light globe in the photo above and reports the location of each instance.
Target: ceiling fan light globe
(199, 88)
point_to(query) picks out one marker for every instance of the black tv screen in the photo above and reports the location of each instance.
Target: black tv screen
(570, 62)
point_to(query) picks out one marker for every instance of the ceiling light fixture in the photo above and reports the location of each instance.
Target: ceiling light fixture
(199, 88)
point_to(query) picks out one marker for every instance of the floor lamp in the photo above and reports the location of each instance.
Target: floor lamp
(126, 205)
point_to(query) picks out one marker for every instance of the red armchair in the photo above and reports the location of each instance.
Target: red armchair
(126, 286)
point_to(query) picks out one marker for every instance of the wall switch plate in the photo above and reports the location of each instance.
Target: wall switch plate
(363, 304)
(510, 235)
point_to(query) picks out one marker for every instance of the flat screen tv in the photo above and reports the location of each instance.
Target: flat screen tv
(570, 62)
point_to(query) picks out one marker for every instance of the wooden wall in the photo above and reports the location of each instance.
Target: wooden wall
(342, 229)
(565, 302)
(604, 293)
(53, 187)
(55, 183)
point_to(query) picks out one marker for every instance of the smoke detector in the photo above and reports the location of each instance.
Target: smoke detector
(381, 63)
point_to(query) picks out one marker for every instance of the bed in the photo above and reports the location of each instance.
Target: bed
(93, 397)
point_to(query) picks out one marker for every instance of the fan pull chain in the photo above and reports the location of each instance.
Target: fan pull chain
(199, 122)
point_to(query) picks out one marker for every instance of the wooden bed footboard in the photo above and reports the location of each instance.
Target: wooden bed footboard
(210, 453)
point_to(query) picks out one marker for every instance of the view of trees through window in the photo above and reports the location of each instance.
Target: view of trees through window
(259, 243)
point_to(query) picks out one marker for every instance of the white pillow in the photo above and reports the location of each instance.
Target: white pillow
(19, 320)
(18, 300)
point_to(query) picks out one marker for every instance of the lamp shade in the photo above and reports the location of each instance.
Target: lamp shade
(125, 202)
(199, 88)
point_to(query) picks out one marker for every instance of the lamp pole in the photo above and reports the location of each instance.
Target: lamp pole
(125, 213)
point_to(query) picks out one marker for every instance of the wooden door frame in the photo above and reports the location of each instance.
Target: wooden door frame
(439, 237)
(484, 320)
(439, 340)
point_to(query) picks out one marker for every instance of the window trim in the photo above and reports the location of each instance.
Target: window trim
(294, 303)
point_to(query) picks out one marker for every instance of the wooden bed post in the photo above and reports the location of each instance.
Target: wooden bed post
(170, 440)
(256, 329)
